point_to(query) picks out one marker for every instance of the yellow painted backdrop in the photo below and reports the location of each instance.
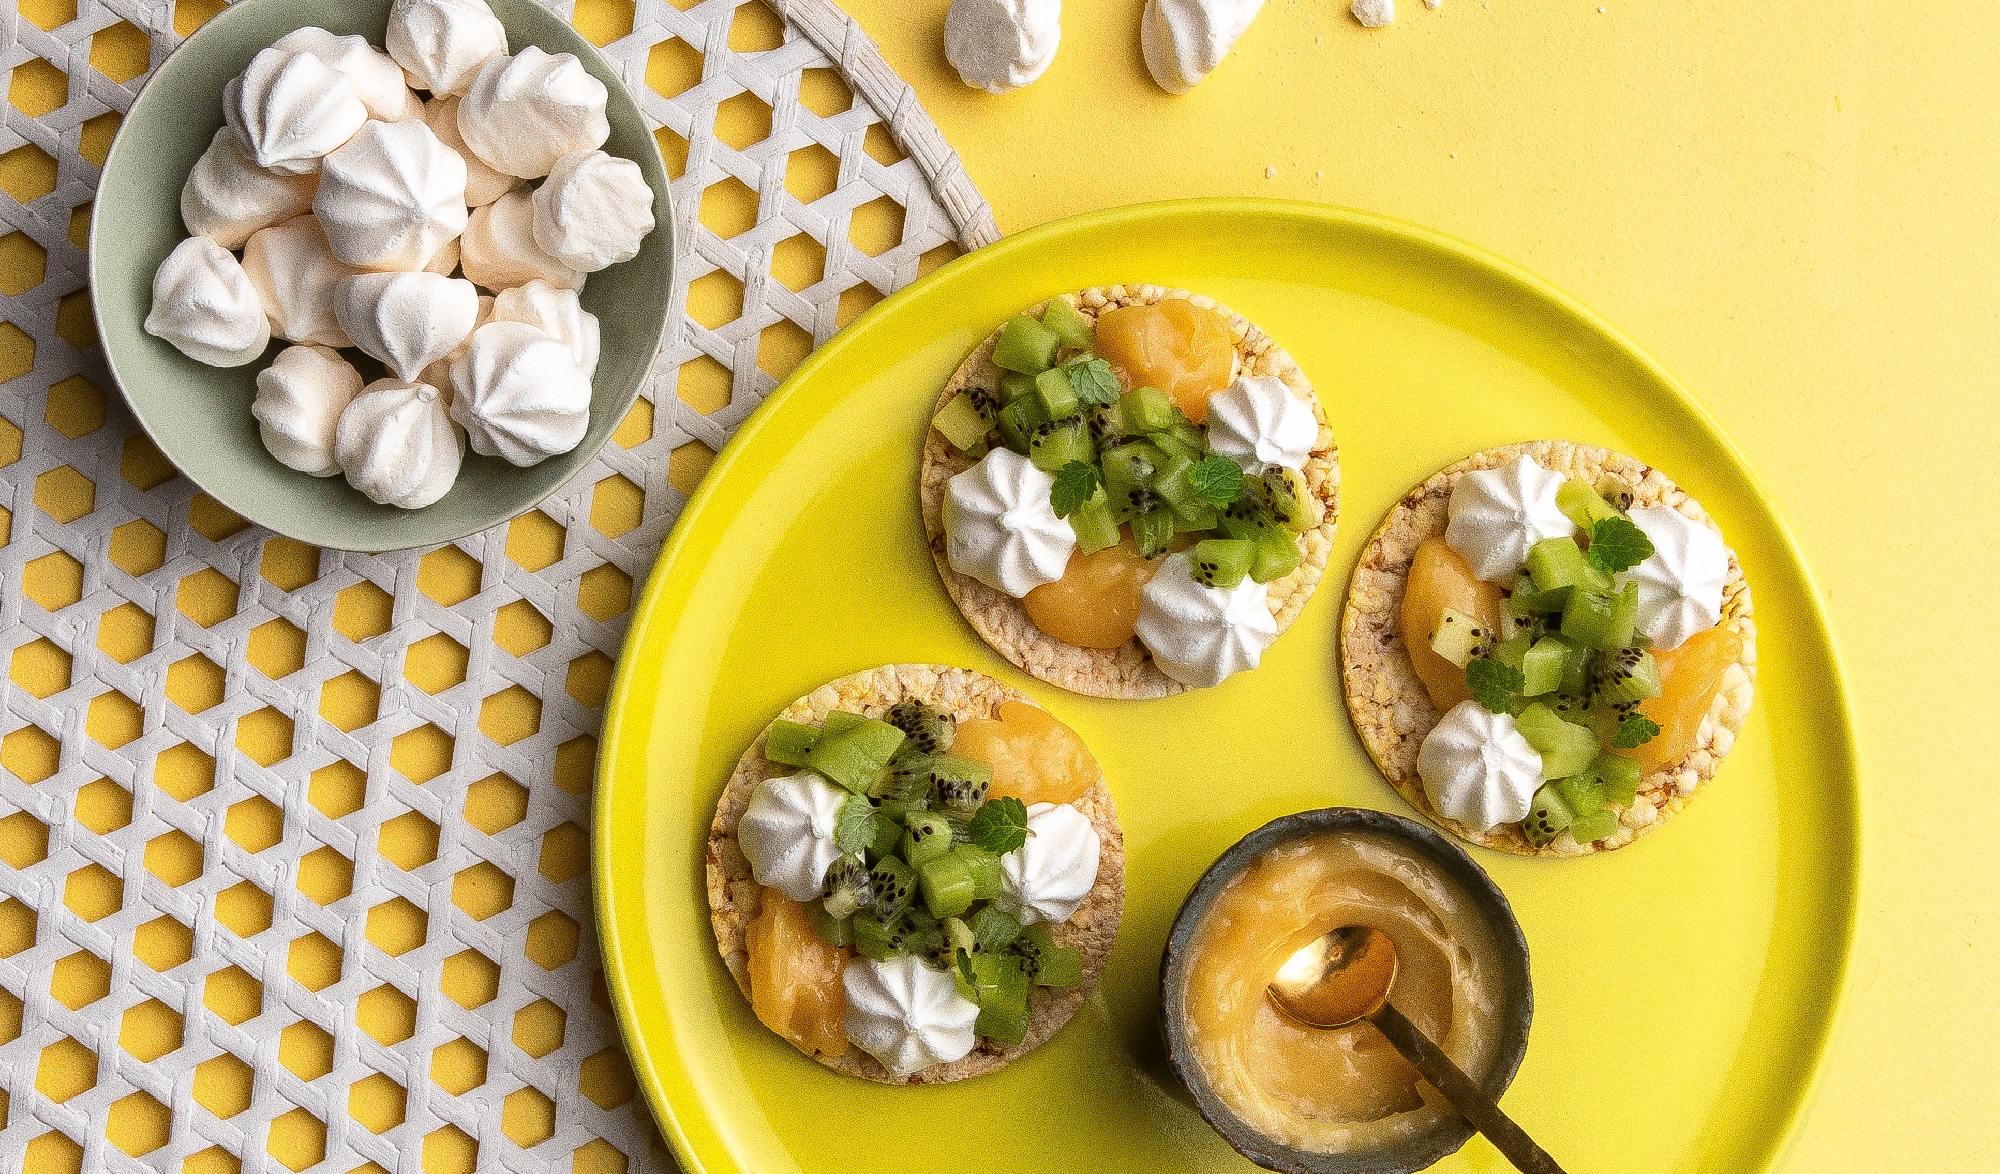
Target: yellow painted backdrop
(1795, 208)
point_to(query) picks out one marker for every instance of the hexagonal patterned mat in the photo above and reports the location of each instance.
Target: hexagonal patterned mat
(294, 843)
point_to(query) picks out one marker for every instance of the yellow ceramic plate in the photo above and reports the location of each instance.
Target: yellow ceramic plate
(1683, 986)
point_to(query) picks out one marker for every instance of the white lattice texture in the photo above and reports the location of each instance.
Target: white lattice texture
(295, 842)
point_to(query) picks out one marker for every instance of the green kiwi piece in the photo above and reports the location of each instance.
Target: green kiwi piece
(925, 837)
(1589, 618)
(1617, 778)
(1108, 426)
(1284, 495)
(1559, 562)
(961, 422)
(1582, 505)
(928, 728)
(1544, 663)
(1147, 409)
(1128, 478)
(1623, 675)
(1095, 528)
(1013, 385)
(993, 930)
(886, 838)
(1539, 603)
(1565, 748)
(1459, 637)
(1153, 532)
(834, 931)
(1274, 554)
(894, 884)
(983, 867)
(856, 758)
(898, 811)
(849, 886)
(1017, 422)
(1220, 562)
(871, 937)
(946, 885)
(1581, 793)
(958, 785)
(1069, 325)
(788, 743)
(1588, 829)
(1548, 815)
(1001, 990)
(1511, 651)
(1197, 519)
(1171, 483)
(1059, 443)
(1025, 345)
(1060, 966)
(1057, 393)
(958, 935)
(1172, 444)
(840, 721)
(907, 777)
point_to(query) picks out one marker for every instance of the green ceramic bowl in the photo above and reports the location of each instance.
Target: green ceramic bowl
(200, 416)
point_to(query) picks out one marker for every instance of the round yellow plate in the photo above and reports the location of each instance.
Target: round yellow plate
(1684, 986)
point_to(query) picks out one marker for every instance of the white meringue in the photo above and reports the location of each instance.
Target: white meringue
(377, 80)
(1049, 875)
(520, 395)
(204, 304)
(499, 251)
(786, 832)
(906, 1014)
(300, 397)
(227, 196)
(438, 374)
(1183, 40)
(1374, 14)
(407, 320)
(593, 210)
(444, 262)
(1257, 422)
(483, 185)
(1202, 636)
(289, 109)
(391, 197)
(557, 312)
(1478, 769)
(397, 445)
(1498, 515)
(1001, 45)
(522, 113)
(1000, 528)
(441, 43)
(1680, 583)
(296, 275)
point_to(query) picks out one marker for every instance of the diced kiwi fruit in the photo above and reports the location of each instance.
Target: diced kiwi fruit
(1543, 665)
(1458, 637)
(1587, 829)
(925, 837)
(1617, 777)
(1059, 966)
(893, 884)
(1196, 519)
(908, 776)
(984, 868)
(1580, 792)
(1623, 675)
(1171, 443)
(946, 885)
(1095, 528)
(1284, 496)
(1002, 989)
(928, 728)
(895, 811)
(1273, 555)
(1058, 396)
(1056, 444)
(1171, 483)
(1582, 505)
(1565, 748)
(1512, 651)
(1220, 562)
(872, 937)
(886, 838)
(958, 935)
(1014, 385)
(1539, 603)
(849, 886)
(993, 930)
(961, 423)
(1559, 562)
(1069, 324)
(856, 758)
(840, 721)
(1025, 345)
(834, 931)
(1018, 421)
(1153, 532)
(1147, 409)
(1548, 816)
(1128, 478)
(1108, 425)
(788, 743)
(1591, 618)
(958, 785)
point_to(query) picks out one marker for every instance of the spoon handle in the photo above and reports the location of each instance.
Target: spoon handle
(1467, 1097)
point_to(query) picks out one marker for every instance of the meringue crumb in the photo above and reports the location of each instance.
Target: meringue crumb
(1433, 4)
(1374, 14)
(1270, 173)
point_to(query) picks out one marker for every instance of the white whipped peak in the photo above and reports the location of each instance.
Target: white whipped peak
(1202, 636)
(483, 185)
(1374, 14)
(593, 210)
(1000, 528)
(1478, 769)
(1257, 422)
(391, 197)
(407, 320)
(522, 113)
(1680, 585)
(300, 397)
(444, 262)
(204, 304)
(227, 196)
(1001, 45)
(377, 80)
(499, 251)
(786, 832)
(397, 446)
(1047, 877)
(438, 374)
(906, 1014)
(441, 43)
(521, 395)
(296, 274)
(556, 312)
(289, 109)
(1183, 40)
(1498, 515)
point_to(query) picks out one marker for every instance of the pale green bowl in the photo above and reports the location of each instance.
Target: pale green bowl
(200, 416)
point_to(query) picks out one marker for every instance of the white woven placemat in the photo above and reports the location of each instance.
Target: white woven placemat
(176, 884)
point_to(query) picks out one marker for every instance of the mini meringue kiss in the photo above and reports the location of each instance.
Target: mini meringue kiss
(498, 250)
(204, 304)
(520, 395)
(300, 397)
(1681, 582)
(397, 446)
(438, 374)
(999, 527)
(522, 113)
(557, 312)
(1001, 45)
(483, 185)
(377, 80)
(296, 275)
(441, 43)
(1201, 636)
(1183, 40)
(1498, 515)
(289, 109)
(391, 197)
(227, 196)
(407, 320)
(1477, 769)
(593, 210)
(1257, 422)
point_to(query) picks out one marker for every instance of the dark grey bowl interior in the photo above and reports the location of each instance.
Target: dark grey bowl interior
(1517, 1009)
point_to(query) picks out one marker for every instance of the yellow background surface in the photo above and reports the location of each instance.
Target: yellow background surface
(1792, 207)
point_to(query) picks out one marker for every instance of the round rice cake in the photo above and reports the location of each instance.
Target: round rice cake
(1126, 672)
(734, 895)
(1391, 710)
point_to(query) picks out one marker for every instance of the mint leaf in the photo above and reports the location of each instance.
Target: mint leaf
(1093, 381)
(855, 829)
(1000, 825)
(1076, 483)
(1636, 729)
(1493, 684)
(1216, 480)
(1616, 544)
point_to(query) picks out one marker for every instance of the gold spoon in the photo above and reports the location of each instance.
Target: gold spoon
(1344, 977)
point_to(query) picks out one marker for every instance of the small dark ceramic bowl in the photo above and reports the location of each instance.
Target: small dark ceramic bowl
(1516, 1012)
